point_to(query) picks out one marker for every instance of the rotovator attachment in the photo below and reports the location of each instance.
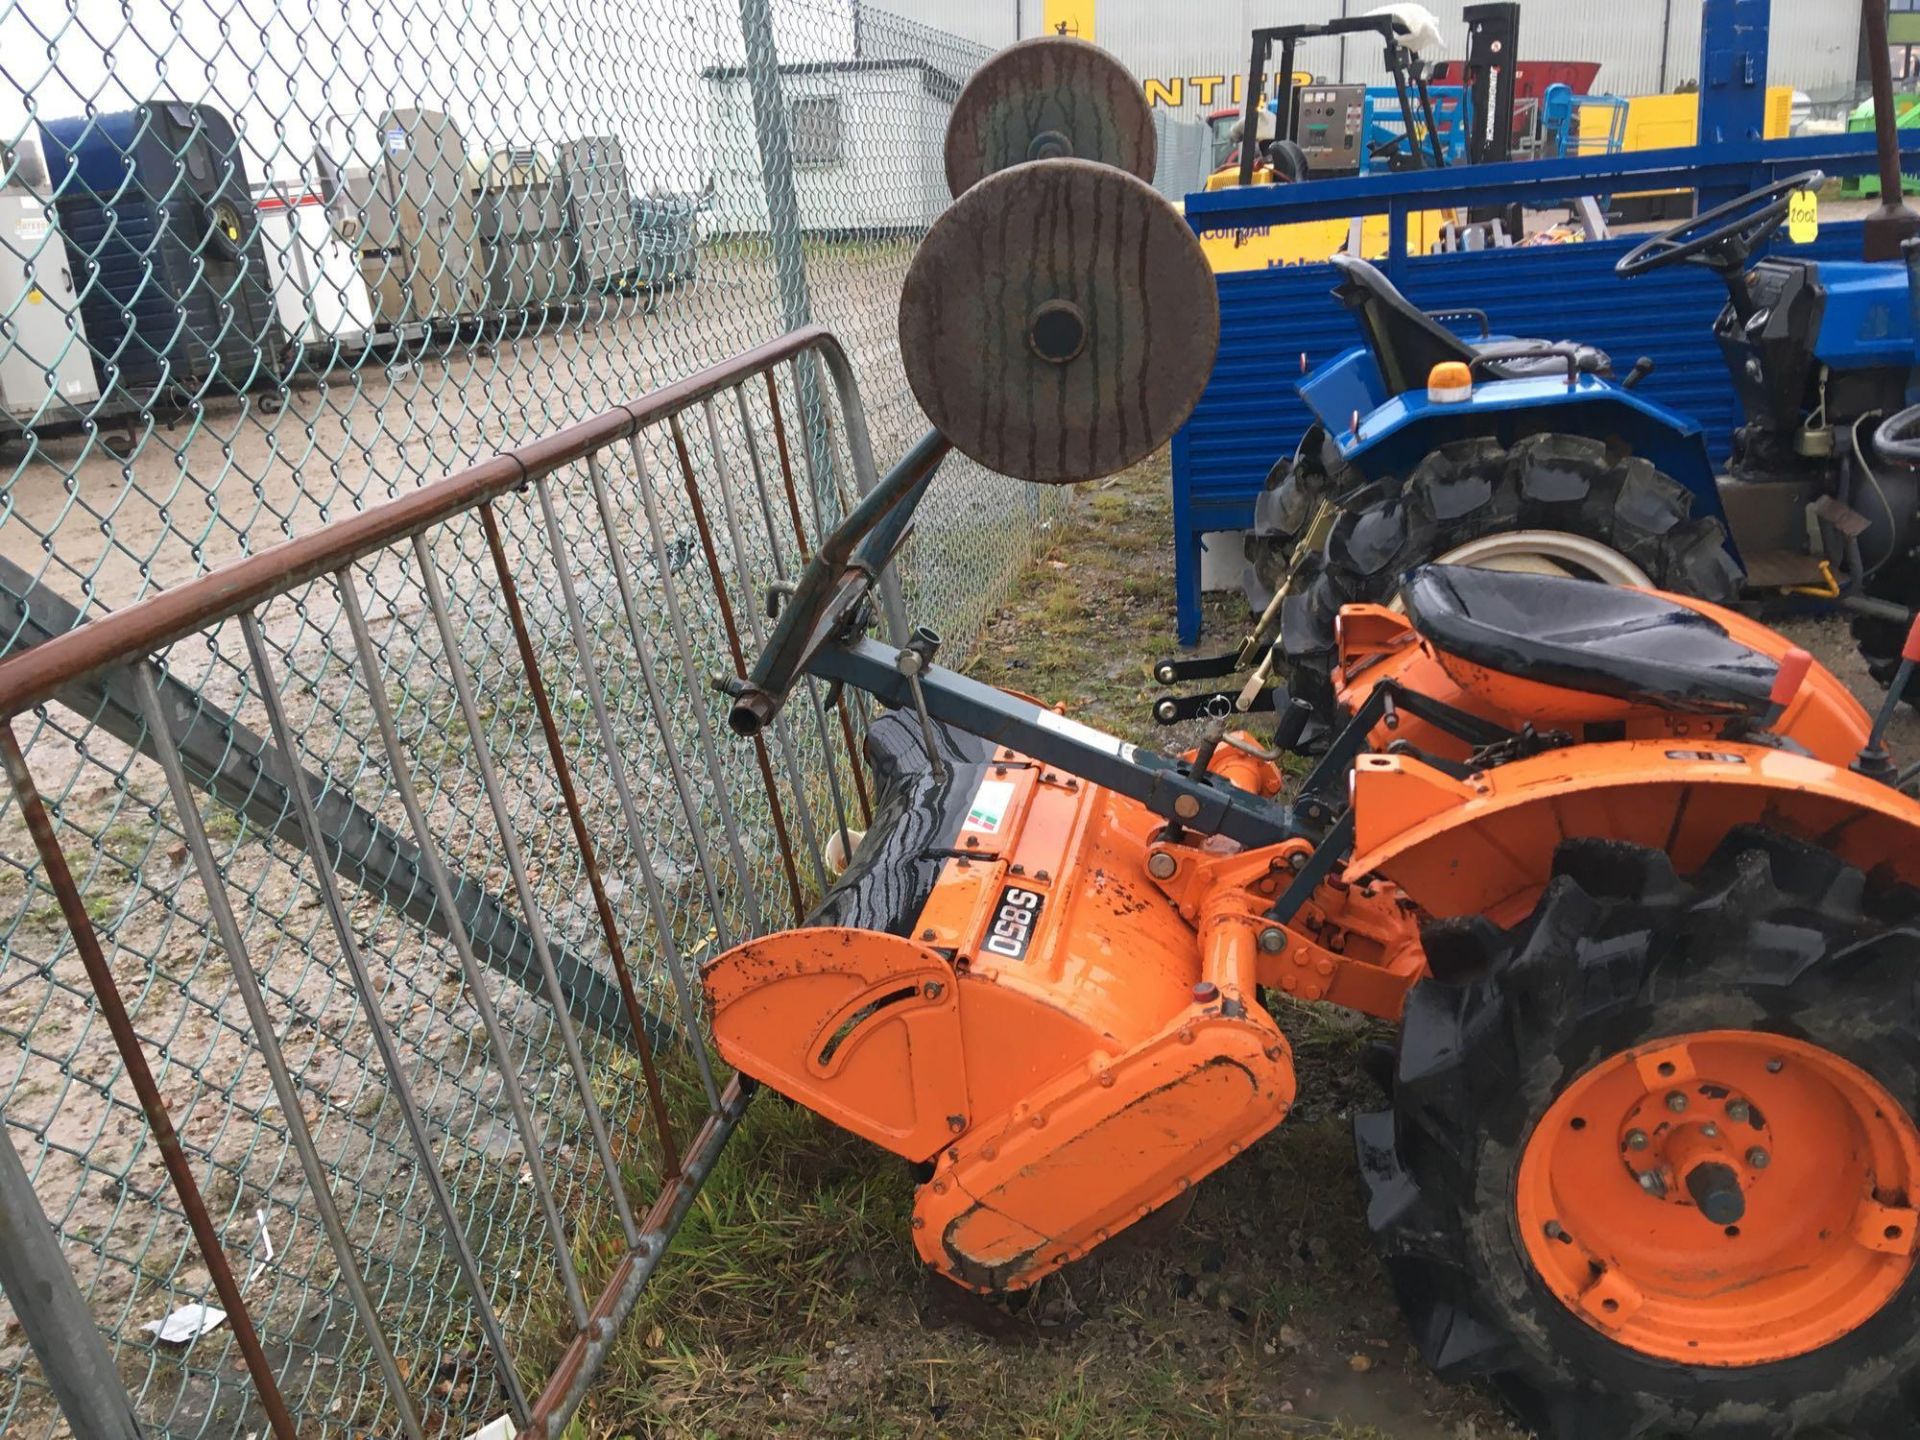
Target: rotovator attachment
(1625, 866)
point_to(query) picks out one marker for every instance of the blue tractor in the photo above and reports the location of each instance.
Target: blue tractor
(1537, 455)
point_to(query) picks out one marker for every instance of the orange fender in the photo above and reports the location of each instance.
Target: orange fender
(861, 1026)
(1096, 1150)
(1485, 845)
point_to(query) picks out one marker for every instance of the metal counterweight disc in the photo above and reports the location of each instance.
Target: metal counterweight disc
(1049, 98)
(1059, 321)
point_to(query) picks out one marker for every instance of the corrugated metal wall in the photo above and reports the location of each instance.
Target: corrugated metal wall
(1642, 45)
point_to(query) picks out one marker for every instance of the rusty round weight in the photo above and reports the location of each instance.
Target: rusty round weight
(1049, 98)
(1059, 321)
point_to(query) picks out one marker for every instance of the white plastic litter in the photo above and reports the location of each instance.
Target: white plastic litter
(500, 1429)
(1419, 27)
(186, 1324)
(266, 1259)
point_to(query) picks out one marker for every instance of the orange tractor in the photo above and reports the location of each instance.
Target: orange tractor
(1630, 871)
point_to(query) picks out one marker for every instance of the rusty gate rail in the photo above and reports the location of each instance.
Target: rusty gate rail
(629, 658)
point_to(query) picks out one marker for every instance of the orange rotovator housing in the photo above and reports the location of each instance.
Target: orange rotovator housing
(1050, 996)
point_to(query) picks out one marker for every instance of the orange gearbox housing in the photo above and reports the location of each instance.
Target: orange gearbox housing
(1066, 1050)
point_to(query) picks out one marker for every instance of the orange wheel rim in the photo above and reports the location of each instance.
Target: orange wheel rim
(1724, 1198)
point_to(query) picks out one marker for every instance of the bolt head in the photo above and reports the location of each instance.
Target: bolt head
(1636, 1139)
(1758, 1159)
(1676, 1102)
(1161, 865)
(1205, 993)
(1774, 1067)
(1186, 807)
(1652, 1184)
(1710, 1130)
(1164, 712)
(933, 989)
(1554, 1230)
(1297, 860)
(1272, 940)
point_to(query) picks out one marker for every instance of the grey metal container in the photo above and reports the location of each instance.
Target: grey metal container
(602, 243)
(419, 240)
(668, 229)
(524, 237)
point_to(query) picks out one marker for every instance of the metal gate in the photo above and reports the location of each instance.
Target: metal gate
(411, 1025)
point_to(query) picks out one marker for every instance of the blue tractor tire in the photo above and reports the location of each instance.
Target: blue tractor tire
(1474, 488)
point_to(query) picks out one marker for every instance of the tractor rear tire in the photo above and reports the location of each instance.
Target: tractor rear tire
(1474, 488)
(1776, 946)
(1295, 486)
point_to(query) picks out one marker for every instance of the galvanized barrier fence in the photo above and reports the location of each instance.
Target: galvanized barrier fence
(455, 1171)
(267, 272)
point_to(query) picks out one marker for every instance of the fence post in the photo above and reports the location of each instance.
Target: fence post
(40, 1286)
(774, 138)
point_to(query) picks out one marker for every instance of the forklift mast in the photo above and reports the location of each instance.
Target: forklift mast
(1409, 80)
(1493, 54)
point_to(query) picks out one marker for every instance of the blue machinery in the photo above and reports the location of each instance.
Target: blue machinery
(1277, 324)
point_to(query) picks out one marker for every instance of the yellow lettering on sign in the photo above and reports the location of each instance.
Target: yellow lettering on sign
(1166, 92)
(1204, 89)
(1069, 17)
(1803, 217)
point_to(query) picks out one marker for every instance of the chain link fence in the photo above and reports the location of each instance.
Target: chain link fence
(338, 850)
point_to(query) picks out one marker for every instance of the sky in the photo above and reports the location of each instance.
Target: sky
(506, 72)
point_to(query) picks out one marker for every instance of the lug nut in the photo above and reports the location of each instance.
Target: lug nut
(1739, 1112)
(1676, 1102)
(1710, 1130)
(1636, 1139)
(1758, 1159)
(1272, 940)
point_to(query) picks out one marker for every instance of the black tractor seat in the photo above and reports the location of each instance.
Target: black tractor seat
(1581, 635)
(1407, 342)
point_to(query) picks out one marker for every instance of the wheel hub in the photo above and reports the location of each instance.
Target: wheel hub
(1722, 1198)
(1698, 1144)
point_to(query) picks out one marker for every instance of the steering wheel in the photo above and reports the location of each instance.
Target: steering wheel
(1729, 233)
